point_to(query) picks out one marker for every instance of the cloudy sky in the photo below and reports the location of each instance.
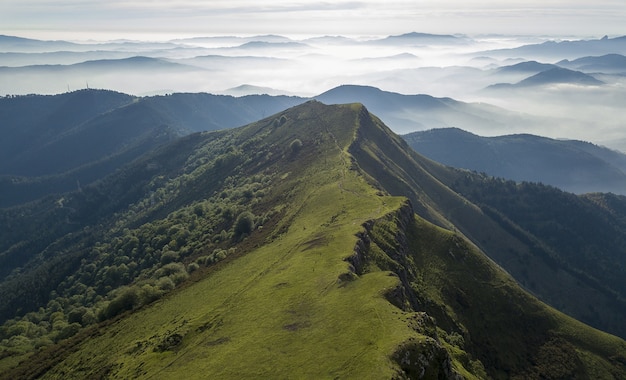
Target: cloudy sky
(82, 19)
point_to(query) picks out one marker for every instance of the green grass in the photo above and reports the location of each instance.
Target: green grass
(287, 305)
(279, 311)
(507, 329)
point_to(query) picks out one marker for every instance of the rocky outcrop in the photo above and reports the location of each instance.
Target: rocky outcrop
(387, 247)
(425, 359)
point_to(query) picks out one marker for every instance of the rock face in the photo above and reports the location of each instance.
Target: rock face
(417, 359)
(425, 360)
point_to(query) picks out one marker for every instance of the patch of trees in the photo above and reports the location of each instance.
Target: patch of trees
(124, 257)
(587, 233)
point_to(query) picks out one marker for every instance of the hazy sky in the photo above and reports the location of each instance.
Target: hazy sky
(82, 19)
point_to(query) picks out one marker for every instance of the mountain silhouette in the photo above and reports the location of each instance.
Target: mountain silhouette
(573, 166)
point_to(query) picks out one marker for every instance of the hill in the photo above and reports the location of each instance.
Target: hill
(608, 63)
(57, 143)
(567, 49)
(560, 75)
(40, 133)
(573, 166)
(525, 67)
(555, 75)
(293, 258)
(18, 44)
(421, 39)
(407, 113)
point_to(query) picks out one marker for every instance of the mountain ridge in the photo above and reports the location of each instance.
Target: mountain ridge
(353, 274)
(571, 165)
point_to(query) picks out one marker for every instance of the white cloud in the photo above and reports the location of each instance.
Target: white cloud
(364, 17)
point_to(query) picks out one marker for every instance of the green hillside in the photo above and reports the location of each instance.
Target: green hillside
(55, 144)
(277, 250)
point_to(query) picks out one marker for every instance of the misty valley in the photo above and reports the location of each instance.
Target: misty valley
(411, 206)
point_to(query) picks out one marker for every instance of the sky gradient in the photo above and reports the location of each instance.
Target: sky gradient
(161, 19)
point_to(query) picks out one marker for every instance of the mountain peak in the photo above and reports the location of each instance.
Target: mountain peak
(560, 75)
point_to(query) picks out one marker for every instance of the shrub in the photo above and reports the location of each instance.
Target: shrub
(165, 283)
(149, 294)
(126, 299)
(244, 224)
(169, 257)
(170, 269)
(192, 267)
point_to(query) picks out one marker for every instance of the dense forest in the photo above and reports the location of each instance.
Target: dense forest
(96, 257)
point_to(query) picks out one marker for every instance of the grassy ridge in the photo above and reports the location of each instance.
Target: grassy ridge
(473, 298)
(343, 281)
(286, 309)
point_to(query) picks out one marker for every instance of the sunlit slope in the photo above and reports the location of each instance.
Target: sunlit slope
(485, 319)
(553, 272)
(342, 282)
(290, 307)
(285, 310)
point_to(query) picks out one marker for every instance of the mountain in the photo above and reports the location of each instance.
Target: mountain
(40, 132)
(560, 75)
(312, 243)
(56, 143)
(272, 45)
(407, 113)
(13, 44)
(526, 67)
(221, 62)
(123, 74)
(555, 75)
(60, 57)
(573, 49)
(19, 44)
(608, 63)
(421, 39)
(248, 89)
(234, 40)
(136, 63)
(573, 166)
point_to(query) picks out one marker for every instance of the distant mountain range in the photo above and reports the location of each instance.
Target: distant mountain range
(19, 44)
(573, 166)
(55, 143)
(406, 113)
(609, 63)
(551, 75)
(425, 39)
(39, 154)
(564, 49)
(526, 67)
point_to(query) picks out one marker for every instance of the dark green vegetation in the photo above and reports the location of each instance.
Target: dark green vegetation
(311, 244)
(574, 166)
(53, 144)
(579, 241)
